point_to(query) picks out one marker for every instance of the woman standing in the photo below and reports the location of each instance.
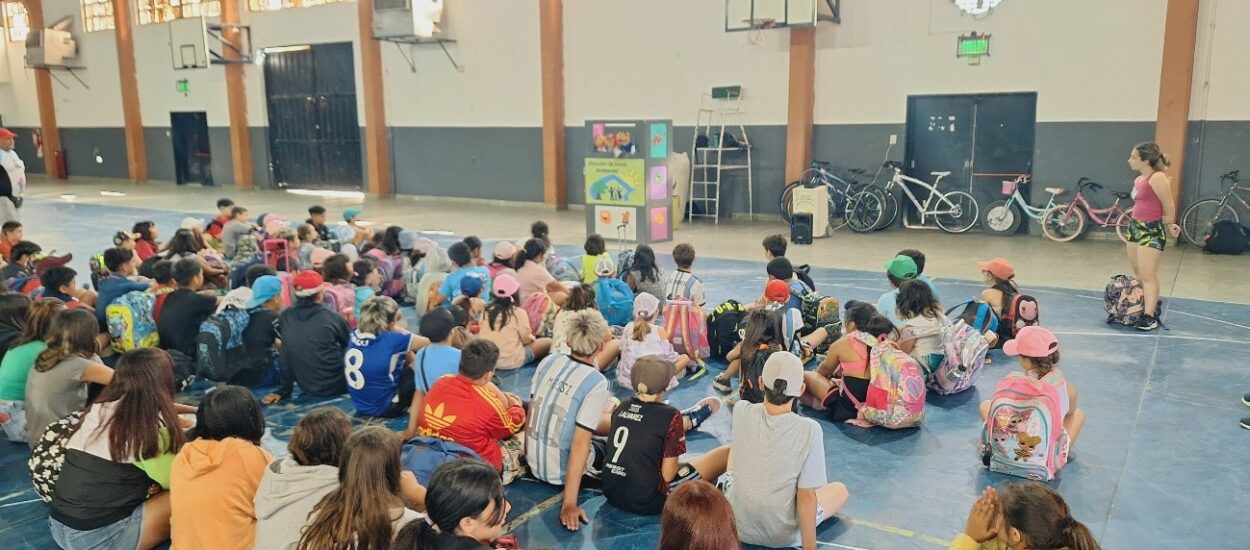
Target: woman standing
(1154, 220)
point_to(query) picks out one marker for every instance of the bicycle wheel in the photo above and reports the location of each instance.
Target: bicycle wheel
(1002, 218)
(962, 213)
(1201, 216)
(890, 211)
(1062, 226)
(787, 199)
(1121, 225)
(863, 211)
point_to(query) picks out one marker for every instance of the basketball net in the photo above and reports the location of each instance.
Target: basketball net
(758, 26)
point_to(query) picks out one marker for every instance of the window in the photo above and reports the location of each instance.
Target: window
(16, 21)
(164, 11)
(97, 15)
(275, 5)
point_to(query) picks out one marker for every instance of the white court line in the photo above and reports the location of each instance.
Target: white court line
(19, 503)
(1175, 337)
(1205, 317)
(836, 545)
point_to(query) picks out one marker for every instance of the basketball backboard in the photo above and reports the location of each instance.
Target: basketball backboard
(188, 43)
(748, 15)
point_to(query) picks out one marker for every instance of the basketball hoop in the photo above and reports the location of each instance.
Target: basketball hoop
(758, 26)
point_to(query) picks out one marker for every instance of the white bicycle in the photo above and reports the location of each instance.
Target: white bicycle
(877, 207)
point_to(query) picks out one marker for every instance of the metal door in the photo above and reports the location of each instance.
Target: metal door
(193, 160)
(1002, 144)
(939, 138)
(314, 133)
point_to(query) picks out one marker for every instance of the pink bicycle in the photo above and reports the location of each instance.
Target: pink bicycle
(1067, 221)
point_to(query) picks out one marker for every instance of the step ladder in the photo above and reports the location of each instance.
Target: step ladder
(712, 161)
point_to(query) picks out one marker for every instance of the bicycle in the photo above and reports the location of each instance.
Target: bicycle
(1201, 216)
(1004, 217)
(839, 189)
(1066, 221)
(876, 208)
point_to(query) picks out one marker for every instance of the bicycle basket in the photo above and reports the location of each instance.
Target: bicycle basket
(1009, 187)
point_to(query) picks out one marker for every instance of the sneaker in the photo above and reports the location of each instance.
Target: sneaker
(1245, 399)
(721, 384)
(695, 371)
(1245, 423)
(701, 411)
(1147, 322)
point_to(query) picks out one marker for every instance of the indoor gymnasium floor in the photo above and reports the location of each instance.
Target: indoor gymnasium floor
(1157, 464)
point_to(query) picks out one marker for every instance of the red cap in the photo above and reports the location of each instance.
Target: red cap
(7, 133)
(998, 267)
(308, 283)
(777, 290)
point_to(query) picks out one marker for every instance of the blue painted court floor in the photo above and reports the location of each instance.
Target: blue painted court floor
(1161, 462)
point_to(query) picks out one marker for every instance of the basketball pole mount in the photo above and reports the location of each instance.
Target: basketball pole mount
(242, 49)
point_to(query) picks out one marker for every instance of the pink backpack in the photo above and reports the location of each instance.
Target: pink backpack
(392, 268)
(341, 300)
(288, 289)
(1023, 434)
(542, 311)
(687, 328)
(896, 388)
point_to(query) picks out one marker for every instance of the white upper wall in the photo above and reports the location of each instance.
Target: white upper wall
(1221, 71)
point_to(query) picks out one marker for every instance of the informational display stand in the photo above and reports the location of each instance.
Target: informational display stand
(629, 192)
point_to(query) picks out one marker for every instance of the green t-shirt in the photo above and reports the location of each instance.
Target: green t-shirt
(16, 367)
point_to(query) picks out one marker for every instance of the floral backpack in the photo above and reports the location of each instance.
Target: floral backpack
(1023, 434)
(48, 456)
(896, 387)
(687, 328)
(965, 348)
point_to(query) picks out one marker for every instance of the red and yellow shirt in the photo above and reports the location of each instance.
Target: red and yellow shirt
(458, 410)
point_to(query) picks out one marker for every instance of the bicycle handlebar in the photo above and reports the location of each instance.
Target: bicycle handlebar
(1086, 182)
(1233, 175)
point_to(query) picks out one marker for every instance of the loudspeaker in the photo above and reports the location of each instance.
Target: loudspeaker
(801, 228)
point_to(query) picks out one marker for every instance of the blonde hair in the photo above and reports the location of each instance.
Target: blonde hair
(587, 330)
(642, 327)
(377, 314)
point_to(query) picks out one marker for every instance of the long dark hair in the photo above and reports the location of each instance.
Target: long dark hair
(499, 311)
(868, 320)
(336, 269)
(644, 264)
(143, 387)
(358, 514)
(458, 489)
(390, 241)
(318, 438)
(1149, 152)
(532, 250)
(581, 297)
(697, 516)
(763, 329)
(39, 320)
(72, 333)
(184, 241)
(915, 299)
(1043, 518)
(539, 230)
(229, 411)
(14, 309)
(144, 231)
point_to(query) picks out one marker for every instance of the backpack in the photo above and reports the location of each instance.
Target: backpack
(965, 349)
(422, 455)
(978, 315)
(624, 263)
(238, 273)
(1125, 300)
(687, 328)
(723, 326)
(896, 388)
(341, 300)
(288, 288)
(542, 311)
(1021, 311)
(615, 300)
(47, 458)
(562, 269)
(219, 351)
(748, 385)
(25, 284)
(247, 252)
(131, 319)
(822, 311)
(803, 273)
(98, 270)
(1227, 237)
(1023, 434)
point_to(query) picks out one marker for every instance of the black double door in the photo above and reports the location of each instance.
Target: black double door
(314, 133)
(193, 159)
(982, 139)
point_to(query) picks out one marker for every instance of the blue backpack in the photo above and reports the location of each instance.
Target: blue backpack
(422, 455)
(976, 314)
(615, 300)
(219, 351)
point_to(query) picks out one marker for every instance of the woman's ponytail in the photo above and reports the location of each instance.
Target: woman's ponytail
(1079, 536)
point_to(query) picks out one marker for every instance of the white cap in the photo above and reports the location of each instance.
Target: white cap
(783, 365)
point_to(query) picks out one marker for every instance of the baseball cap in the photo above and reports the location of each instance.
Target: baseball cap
(307, 283)
(264, 288)
(49, 262)
(777, 290)
(998, 267)
(605, 267)
(122, 236)
(424, 245)
(192, 223)
(408, 240)
(7, 133)
(471, 284)
(506, 285)
(783, 365)
(901, 267)
(504, 250)
(651, 375)
(352, 212)
(646, 305)
(319, 256)
(1032, 341)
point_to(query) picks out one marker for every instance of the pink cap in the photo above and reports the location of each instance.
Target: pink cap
(998, 267)
(1032, 341)
(505, 285)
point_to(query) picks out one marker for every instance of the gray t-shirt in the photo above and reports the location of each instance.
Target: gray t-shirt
(773, 457)
(52, 395)
(230, 236)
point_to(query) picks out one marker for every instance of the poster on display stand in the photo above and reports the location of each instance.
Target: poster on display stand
(628, 188)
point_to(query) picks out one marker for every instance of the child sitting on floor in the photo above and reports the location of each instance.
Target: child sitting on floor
(595, 249)
(470, 299)
(581, 297)
(921, 332)
(1027, 515)
(907, 264)
(291, 486)
(508, 326)
(648, 437)
(503, 258)
(1038, 349)
(844, 372)
(643, 338)
(1001, 278)
(378, 360)
(432, 362)
(681, 283)
(762, 332)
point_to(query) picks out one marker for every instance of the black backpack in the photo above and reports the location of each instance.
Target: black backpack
(749, 378)
(723, 326)
(803, 273)
(1227, 237)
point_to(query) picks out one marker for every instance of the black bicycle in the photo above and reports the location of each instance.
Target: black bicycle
(840, 190)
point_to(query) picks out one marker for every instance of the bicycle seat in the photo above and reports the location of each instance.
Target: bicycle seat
(1056, 190)
(940, 174)
(857, 171)
(1120, 194)
(821, 164)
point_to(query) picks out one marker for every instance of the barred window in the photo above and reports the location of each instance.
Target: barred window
(97, 15)
(164, 11)
(16, 21)
(275, 5)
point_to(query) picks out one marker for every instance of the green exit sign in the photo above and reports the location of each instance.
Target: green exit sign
(973, 45)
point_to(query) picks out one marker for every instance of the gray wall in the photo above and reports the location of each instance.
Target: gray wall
(489, 163)
(80, 145)
(26, 149)
(1215, 147)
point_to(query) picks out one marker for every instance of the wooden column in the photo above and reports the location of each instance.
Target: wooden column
(377, 146)
(802, 102)
(236, 101)
(1180, 36)
(47, 102)
(136, 152)
(551, 38)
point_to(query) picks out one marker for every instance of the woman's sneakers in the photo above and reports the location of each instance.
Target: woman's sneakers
(1147, 322)
(721, 383)
(698, 414)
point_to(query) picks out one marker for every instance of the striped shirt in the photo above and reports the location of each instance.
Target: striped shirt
(565, 394)
(683, 284)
